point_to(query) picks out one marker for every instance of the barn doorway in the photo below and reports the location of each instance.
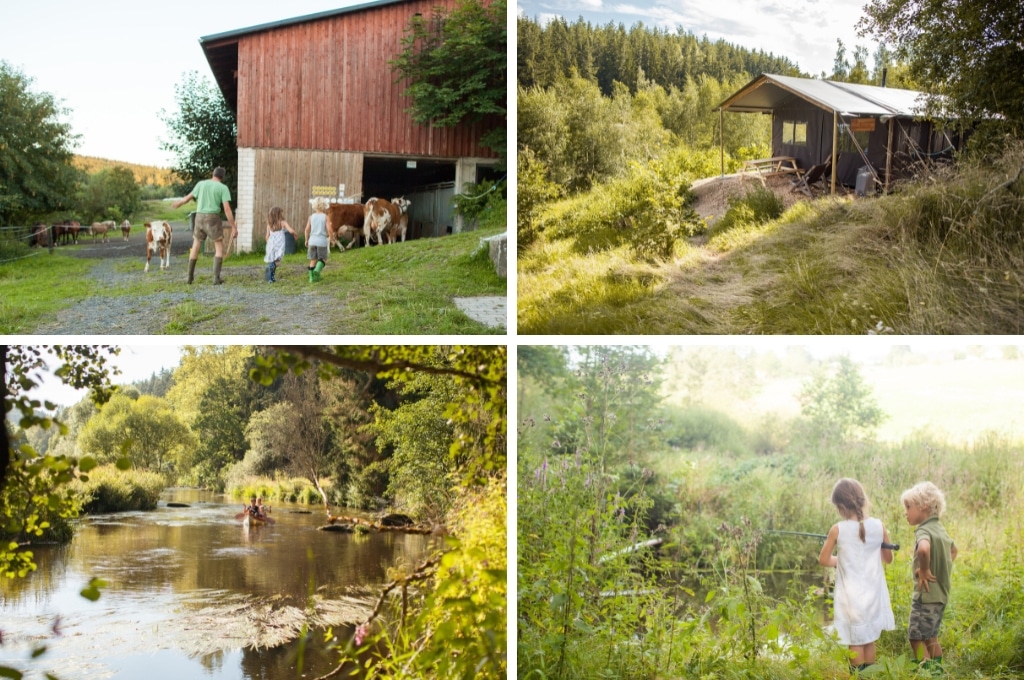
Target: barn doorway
(428, 183)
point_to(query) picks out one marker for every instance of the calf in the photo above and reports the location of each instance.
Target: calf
(383, 215)
(126, 229)
(402, 225)
(158, 240)
(345, 219)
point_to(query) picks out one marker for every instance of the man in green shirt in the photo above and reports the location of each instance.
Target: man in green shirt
(211, 196)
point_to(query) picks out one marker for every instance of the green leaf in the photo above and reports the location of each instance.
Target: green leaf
(92, 591)
(123, 463)
(87, 463)
(8, 672)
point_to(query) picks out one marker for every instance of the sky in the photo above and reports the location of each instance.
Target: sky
(115, 63)
(135, 361)
(804, 31)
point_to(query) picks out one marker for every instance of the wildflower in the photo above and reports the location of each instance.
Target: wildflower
(361, 632)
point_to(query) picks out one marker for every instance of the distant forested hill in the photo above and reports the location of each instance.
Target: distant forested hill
(144, 174)
(610, 53)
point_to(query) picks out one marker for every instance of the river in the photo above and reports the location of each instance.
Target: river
(193, 593)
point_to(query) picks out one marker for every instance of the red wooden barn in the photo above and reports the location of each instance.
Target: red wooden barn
(319, 113)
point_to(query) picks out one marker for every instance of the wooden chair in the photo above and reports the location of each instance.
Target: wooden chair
(818, 173)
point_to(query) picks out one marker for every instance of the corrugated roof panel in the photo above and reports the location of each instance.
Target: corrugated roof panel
(768, 91)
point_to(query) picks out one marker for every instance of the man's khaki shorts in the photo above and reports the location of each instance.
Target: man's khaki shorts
(208, 224)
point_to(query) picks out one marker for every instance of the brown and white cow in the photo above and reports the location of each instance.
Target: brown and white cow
(158, 240)
(345, 219)
(126, 229)
(383, 215)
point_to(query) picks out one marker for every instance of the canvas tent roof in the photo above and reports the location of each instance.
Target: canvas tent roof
(767, 92)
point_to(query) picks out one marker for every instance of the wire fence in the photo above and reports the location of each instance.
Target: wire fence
(24, 234)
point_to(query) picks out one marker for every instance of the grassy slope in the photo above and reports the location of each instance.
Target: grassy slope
(944, 257)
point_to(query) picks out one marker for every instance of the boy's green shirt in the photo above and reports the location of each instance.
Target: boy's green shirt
(941, 561)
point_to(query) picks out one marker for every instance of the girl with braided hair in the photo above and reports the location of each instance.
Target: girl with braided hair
(862, 609)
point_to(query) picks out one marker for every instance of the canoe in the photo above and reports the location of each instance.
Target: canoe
(250, 521)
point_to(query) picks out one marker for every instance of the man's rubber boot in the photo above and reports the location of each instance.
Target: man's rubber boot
(217, 262)
(191, 271)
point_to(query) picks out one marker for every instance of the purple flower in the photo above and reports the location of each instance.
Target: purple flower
(361, 632)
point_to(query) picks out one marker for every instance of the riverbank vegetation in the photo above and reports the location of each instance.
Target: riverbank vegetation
(617, 126)
(619, 446)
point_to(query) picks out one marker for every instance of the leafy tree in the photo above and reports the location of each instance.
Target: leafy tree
(36, 149)
(200, 367)
(612, 417)
(456, 65)
(33, 487)
(478, 413)
(110, 194)
(203, 133)
(225, 407)
(970, 52)
(420, 472)
(145, 430)
(840, 407)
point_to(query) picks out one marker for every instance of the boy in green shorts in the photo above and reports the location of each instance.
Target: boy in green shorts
(934, 552)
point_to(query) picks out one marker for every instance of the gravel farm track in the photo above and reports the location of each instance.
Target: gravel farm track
(244, 305)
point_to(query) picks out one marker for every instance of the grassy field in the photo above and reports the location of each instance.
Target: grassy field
(943, 256)
(958, 399)
(406, 288)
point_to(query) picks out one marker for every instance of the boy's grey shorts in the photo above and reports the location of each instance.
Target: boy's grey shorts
(318, 252)
(925, 619)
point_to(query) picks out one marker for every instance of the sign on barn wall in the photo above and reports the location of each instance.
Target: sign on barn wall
(862, 125)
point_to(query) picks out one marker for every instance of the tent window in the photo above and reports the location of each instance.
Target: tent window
(794, 132)
(846, 144)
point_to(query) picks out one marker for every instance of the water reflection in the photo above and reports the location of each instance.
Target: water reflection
(186, 586)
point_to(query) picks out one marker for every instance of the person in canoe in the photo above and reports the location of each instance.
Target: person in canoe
(253, 508)
(264, 510)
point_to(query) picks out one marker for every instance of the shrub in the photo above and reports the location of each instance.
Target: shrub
(111, 490)
(699, 427)
(756, 207)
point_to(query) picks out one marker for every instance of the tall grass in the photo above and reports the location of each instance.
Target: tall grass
(111, 490)
(943, 254)
(284, 490)
(712, 504)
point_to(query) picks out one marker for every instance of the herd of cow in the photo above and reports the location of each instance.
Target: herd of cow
(67, 232)
(379, 218)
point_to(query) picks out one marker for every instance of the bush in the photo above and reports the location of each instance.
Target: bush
(285, 490)
(756, 207)
(111, 490)
(699, 427)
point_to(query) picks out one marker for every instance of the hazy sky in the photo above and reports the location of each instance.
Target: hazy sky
(115, 63)
(136, 363)
(804, 31)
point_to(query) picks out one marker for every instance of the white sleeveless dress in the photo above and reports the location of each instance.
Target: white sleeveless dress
(861, 598)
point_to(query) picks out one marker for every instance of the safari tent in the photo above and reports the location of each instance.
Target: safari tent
(860, 125)
(320, 113)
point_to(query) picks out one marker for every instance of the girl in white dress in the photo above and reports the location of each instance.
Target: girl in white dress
(861, 597)
(276, 226)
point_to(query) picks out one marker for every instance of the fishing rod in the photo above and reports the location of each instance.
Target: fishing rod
(822, 537)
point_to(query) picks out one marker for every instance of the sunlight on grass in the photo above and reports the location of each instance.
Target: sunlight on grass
(38, 287)
(561, 291)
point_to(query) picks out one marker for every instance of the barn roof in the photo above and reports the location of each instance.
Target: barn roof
(221, 49)
(767, 92)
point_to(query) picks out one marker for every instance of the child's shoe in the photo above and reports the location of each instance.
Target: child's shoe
(267, 275)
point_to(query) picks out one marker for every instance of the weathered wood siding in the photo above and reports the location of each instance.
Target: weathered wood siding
(326, 84)
(284, 177)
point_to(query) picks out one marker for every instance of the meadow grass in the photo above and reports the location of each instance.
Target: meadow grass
(38, 286)
(405, 288)
(941, 255)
